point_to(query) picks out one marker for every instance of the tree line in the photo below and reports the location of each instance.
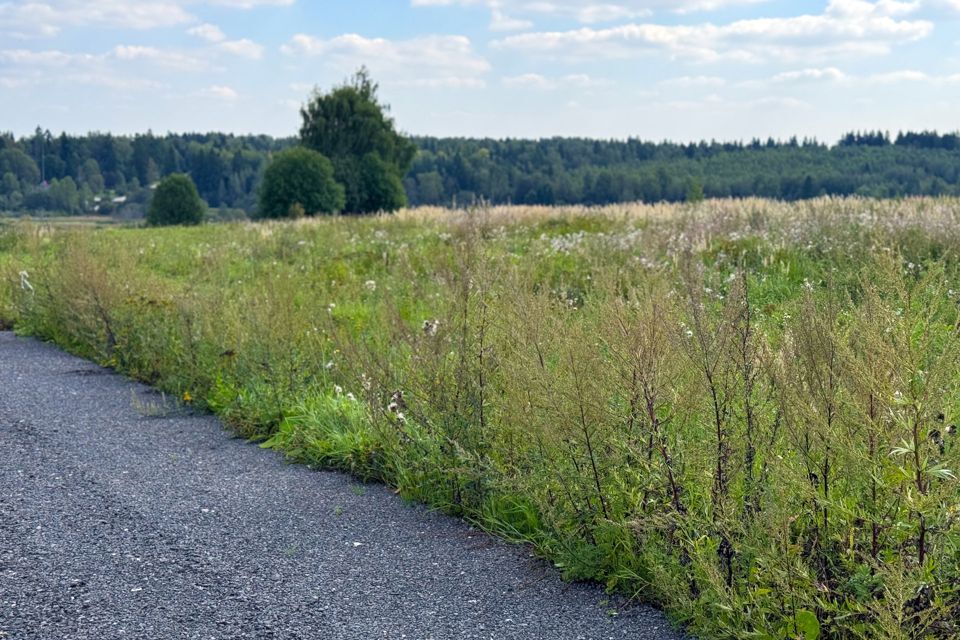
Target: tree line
(113, 174)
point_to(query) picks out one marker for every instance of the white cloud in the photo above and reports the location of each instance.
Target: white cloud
(221, 92)
(542, 83)
(499, 21)
(48, 18)
(836, 76)
(31, 18)
(251, 4)
(208, 32)
(812, 74)
(695, 81)
(243, 48)
(49, 58)
(845, 28)
(55, 67)
(584, 11)
(716, 102)
(160, 57)
(429, 61)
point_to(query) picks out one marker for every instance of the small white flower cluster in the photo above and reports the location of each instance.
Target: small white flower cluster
(430, 328)
(397, 405)
(370, 285)
(25, 282)
(338, 390)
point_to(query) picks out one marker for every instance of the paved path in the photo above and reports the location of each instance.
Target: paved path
(116, 524)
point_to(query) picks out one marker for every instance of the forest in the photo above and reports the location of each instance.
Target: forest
(111, 174)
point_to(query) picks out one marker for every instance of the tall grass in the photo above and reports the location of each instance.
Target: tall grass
(743, 411)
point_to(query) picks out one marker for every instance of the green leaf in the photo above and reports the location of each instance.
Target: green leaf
(807, 625)
(803, 626)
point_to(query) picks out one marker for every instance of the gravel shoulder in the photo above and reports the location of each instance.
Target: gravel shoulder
(117, 524)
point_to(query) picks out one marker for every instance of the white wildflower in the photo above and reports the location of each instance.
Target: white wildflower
(25, 282)
(371, 285)
(430, 327)
(338, 390)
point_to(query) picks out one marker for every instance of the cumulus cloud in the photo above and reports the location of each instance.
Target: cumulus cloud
(243, 48)
(28, 68)
(429, 61)
(694, 81)
(543, 83)
(836, 76)
(160, 57)
(811, 75)
(31, 18)
(504, 12)
(846, 27)
(221, 92)
(208, 32)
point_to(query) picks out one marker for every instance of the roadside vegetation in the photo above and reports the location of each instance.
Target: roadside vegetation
(743, 411)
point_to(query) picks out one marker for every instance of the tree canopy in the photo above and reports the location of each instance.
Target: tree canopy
(299, 181)
(227, 169)
(176, 201)
(370, 158)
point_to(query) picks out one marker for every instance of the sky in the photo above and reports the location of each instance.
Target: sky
(652, 69)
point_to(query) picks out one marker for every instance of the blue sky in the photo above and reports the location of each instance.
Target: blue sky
(654, 69)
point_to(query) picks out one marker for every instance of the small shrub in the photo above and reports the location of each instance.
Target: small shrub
(299, 182)
(176, 202)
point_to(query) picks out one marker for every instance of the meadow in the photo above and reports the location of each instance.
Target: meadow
(743, 411)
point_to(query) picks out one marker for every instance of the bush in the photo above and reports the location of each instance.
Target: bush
(299, 182)
(176, 201)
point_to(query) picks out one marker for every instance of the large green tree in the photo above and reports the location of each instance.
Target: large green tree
(299, 181)
(176, 201)
(351, 127)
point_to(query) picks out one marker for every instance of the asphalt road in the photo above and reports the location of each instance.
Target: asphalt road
(119, 523)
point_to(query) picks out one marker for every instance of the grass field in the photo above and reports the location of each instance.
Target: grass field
(743, 411)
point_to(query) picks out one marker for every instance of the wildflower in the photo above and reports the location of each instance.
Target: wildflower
(371, 285)
(351, 397)
(337, 389)
(365, 382)
(187, 397)
(430, 327)
(24, 282)
(330, 365)
(401, 418)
